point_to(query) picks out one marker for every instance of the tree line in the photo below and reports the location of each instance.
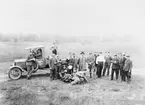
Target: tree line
(62, 39)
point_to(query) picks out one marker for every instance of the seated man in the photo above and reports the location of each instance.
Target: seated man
(39, 54)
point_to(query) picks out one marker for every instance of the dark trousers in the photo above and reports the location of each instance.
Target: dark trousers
(90, 69)
(116, 72)
(126, 75)
(53, 73)
(30, 68)
(121, 73)
(58, 70)
(96, 67)
(107, 67)
(99, 69)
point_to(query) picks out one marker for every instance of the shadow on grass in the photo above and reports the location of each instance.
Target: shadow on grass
(33, 76)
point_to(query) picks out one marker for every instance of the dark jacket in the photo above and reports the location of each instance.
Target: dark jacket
(115, 64)
(108, 60)
(52, 63)
(122, 61)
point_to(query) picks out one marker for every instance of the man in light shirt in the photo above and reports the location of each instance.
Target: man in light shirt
(100, 61)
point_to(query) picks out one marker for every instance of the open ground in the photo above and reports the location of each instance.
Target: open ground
(41, 91)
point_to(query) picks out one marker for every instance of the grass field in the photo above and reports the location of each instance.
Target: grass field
(40, 90)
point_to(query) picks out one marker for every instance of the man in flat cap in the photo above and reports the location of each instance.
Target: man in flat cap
(127, 69)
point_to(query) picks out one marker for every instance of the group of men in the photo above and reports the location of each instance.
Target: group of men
(97, 63)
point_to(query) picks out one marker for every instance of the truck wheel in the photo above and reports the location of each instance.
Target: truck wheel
(15, 73)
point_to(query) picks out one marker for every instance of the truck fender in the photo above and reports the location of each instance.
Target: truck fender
(17, 67)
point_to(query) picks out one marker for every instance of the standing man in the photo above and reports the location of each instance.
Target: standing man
(121, 64)
(100, 61)
(107, 63)
(115, 67)
(53, 67)
(75, 62)
(71, 62)
(127, 69)
(82, 62)
(29, 64)
(90, 61)
(58, 67)
(54, 48)
(95, 64)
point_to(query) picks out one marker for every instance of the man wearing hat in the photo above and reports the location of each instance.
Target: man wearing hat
(82, 62)
(127, 69)
(115, 67)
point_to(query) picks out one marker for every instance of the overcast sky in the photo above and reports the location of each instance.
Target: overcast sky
(73, 17)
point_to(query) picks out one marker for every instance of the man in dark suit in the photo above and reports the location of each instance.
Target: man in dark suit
(121, 64)
(115, 67)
